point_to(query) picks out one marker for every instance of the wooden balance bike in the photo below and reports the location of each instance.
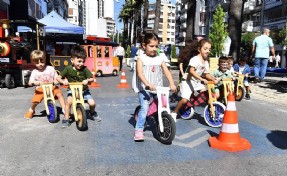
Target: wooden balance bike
(49, 103)
(213, 111)
(239, 88)
(78, 106)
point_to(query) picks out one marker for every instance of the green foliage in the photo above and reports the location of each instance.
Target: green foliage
(218, 32)
(283, 35)
(128, 52)
(173, 51)
(246, 42)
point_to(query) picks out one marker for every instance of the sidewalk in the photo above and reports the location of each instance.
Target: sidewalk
(272, 90)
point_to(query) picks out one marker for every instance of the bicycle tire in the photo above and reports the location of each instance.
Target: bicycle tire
(168, 134)
(217, 121)
(81, 123)
(240, 94)
(53, 117)
(186, 113)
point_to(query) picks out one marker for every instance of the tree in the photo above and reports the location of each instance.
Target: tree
(190, 20)
(218, 32)
(246, 42)
(125, 15)
(173, 52)
(235, 25)
(157, 16)
(283, 36)
(137, 20)
(128, 52)
(145, 15)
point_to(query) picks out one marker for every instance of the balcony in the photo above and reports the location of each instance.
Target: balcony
(275, 23)
(251, 6)
(251, 26)
(272, 3)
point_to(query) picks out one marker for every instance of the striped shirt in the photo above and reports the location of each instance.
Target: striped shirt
(152, 72)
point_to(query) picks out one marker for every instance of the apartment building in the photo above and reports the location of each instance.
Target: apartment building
(73, 12)
(98, 17)
(166, 23)
(106, 13)
(274, 14)
(180, 26)
(252, 16)
(200, 20)
(257, 14)
(60, 6)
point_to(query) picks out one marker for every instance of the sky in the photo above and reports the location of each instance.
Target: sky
(118, 7)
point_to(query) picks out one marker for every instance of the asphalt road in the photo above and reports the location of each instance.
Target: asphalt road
(36, 147)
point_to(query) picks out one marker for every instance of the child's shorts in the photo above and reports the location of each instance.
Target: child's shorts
(246, 83)
(187, 88)
(39, 95)
(86, 94)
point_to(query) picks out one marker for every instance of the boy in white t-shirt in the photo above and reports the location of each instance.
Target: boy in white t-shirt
(42, 74)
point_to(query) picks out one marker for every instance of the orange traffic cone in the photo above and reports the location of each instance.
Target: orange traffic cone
(94, 84)
(123, 83)
(229, 137)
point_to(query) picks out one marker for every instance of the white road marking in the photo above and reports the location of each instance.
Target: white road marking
(191, 133)
(192, 144)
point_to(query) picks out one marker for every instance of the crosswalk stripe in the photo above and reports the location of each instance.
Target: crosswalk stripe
(191, 133)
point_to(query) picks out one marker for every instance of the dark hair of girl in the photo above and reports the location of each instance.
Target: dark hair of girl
(150, 36)
(188, 51)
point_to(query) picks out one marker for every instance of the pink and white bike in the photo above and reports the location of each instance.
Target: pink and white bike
(159, 109)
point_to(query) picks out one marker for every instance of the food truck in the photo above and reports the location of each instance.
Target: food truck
(100, 58)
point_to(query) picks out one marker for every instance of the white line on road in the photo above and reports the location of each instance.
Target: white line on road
(193, 143)
(191, 133)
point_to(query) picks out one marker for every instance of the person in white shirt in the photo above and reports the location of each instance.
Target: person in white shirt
(277, 60)
(120, 52)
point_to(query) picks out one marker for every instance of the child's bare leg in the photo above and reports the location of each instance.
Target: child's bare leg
(68, 107)
(217, 94)
(29, 114)
(61, 100)
(92, 104)
(93, 114)
(180, 104)
(33, 106)
(247, 89)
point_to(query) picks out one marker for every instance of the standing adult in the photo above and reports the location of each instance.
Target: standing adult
(168, 51)
(277, 60)
(134, 51)
(120, 54)
(262, 45)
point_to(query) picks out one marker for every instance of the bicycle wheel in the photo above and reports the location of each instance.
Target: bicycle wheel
(82, 123)
(169, 129)
(216, 121)
(240, 94)
(53, 117)
(186, 113)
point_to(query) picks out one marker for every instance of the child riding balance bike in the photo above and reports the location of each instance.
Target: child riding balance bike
(43, 78)
(197, 78)
(77, 72)
(149, 70)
